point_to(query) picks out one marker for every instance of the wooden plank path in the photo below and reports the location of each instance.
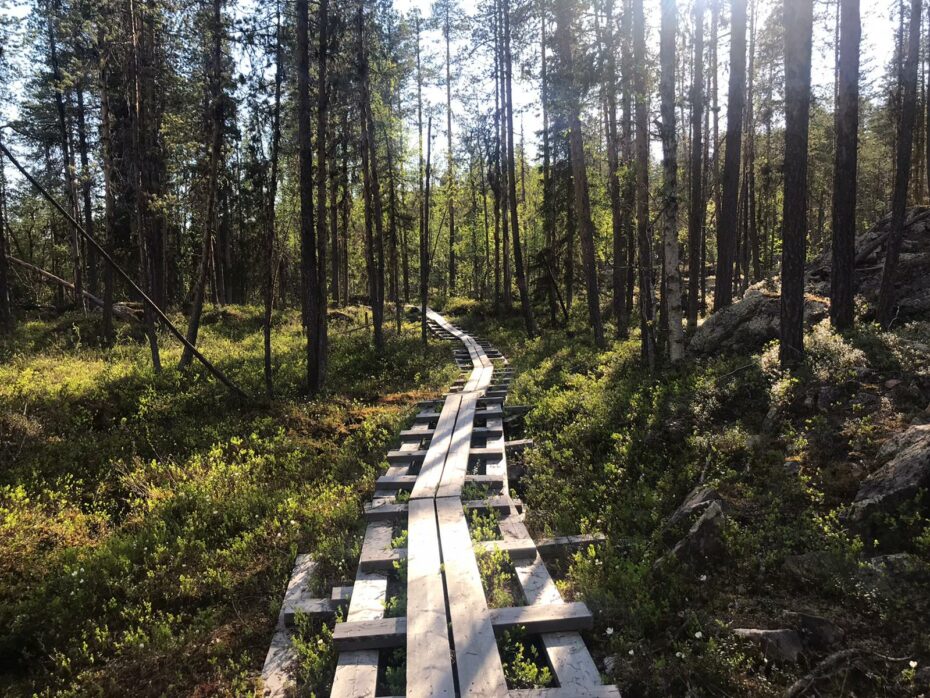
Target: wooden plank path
(455, 448)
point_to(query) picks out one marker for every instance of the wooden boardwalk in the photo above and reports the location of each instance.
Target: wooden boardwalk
(452, 461)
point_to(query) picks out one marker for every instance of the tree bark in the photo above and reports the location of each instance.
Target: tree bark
(887, 301)
(319, 315)
(798, 18)
(450, 171)
(374, 234)
(216, 118)
(579, 172)
(646, 297)
(53, 17)
(728, 215)
(676, 348)
(696, 208)
(846, 124)
(525, 305)
(308, 246)
(613, 164)
(6, 312)
(270, 222)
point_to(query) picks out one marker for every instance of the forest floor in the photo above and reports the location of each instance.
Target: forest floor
(149, 523)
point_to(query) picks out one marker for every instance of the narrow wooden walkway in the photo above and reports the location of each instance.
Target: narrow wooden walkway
(452, 461)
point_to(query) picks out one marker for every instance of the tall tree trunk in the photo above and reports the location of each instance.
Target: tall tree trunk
(798, 20)
(319, 317)
(344, 206)
(846, 125)
(106, 152)
(646, 297)
(887, 302)
(421, 199)
(696, 208)
(270, 223)
(676, 346)
(6, 311)
(374, 220)
(450, 167)
(424, 231)
(728, 215)
(53, 11)
(613, 164)
(392, 233)
(86, 186)
(308, 247)
(548, 204)
(628, 200)
(216, 118)
(141, 216)
(525, 305)
(579, 172)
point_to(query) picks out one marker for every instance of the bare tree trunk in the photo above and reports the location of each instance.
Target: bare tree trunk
(394, 290)
(525, 305)
(86, 185)
(676, 348)
(216, 118)
(887, 302)
(319, 316)
(140, 220)
(613, 164)
(424, 232)
(106, 150)
(374, 234)
(696, 208)
(53, 11)
(270, 223)
(846, 124)
(6, 312)
(728, 215)
(308, 246)
(646, 297)
(798, 28)
(579, 173)
(629, 178)
(450, 171)
(548, 204)
(424, 228)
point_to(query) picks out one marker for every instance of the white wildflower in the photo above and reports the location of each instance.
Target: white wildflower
(913, 664)
(632, 653)
(698, 634)
(609, 631)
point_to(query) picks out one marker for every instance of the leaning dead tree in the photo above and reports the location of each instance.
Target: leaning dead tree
(105, 256)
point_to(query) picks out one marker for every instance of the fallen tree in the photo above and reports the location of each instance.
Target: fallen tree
(120, 311)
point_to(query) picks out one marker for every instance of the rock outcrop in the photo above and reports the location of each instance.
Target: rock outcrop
(778, 645)
(754, 319)
(904, 473)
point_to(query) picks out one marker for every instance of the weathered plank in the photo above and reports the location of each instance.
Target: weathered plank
(526, 548)
(380, 633)
(357, 672)
(433, 463)
(544, 618)
(453, 475)
(429, 658)
(392, 511)
(599, 691)
(478, 663)
(277, 672)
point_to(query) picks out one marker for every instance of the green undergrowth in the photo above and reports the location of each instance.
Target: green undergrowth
(617, 450)
(149, 523)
